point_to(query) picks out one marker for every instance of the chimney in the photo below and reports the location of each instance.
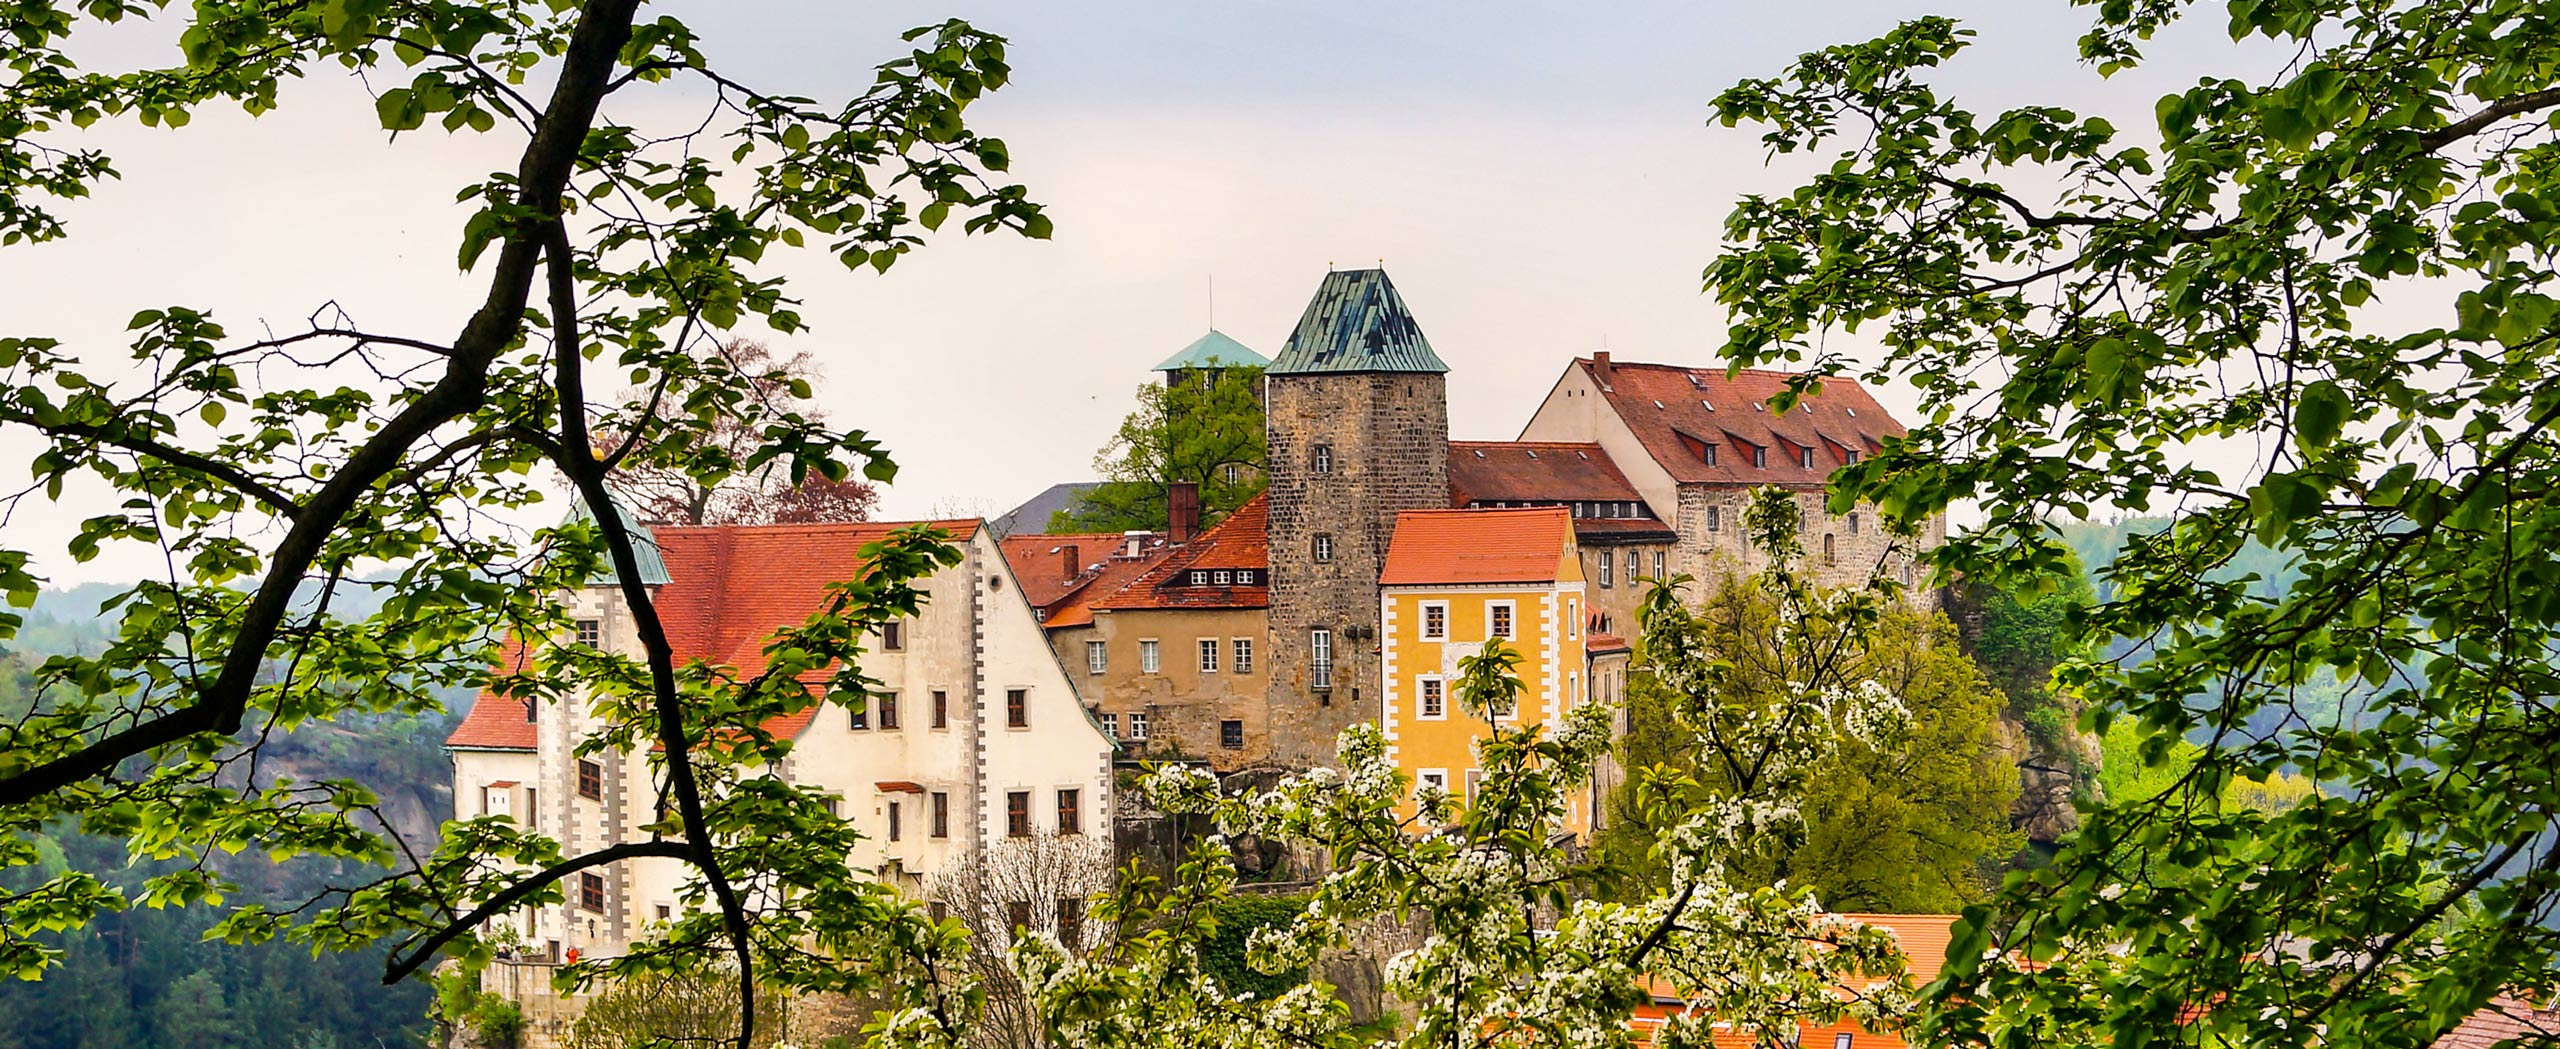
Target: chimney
(1182, 510)
(1071, 563)
(1133, 543)
(1600, 366)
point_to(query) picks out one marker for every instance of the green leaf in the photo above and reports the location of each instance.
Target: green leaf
(2319, 414)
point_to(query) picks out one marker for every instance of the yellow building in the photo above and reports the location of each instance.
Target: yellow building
(1454, 579)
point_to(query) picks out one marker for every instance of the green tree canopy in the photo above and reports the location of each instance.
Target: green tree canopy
(1204, 427)
(268, 468)
(2309, 304)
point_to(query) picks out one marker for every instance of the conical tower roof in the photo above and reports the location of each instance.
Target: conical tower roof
(1214, 350)
(1356, 323)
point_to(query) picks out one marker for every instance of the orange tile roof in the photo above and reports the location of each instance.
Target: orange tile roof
(1243, 540)
(1597, 643)
(1478, 546)
(2502, 1020)
(1533, 472)
(1923, 938)
(1668, 408)
(1039, 565)
(730, 588)
(497, 722)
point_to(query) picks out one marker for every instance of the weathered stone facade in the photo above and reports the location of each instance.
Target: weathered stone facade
(1843, 549)
(1349, 451)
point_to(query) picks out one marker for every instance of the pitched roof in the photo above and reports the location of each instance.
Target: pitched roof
(1677, 411)
(1032, 517)
(1478, 546)
(1214, 350)
(729, 589)
(644, 547)
(1534, 471)
(2503, 1020)
(497, 722)
(1241, 541)
(1102, 569)
(1356, 323)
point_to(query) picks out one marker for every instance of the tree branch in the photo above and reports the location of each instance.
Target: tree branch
(406, 959)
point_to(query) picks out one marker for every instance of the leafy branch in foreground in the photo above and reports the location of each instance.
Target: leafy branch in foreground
(268, 474)
(2311, 307)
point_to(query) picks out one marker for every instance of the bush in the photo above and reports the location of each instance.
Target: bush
(1223, 956)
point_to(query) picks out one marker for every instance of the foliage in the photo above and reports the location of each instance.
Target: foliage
(267, 472)
(1224, 954)
(708, 482)
(1910, 820)
(1204, 427)
(671, 1008)
(2135, 772)
(1505, 956)
(2310, 307)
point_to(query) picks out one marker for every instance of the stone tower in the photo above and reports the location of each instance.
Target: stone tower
(1358, 424)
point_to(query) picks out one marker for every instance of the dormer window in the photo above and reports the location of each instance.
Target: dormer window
(1221, 577)
(1759, 457)
(1199, 578)
(1805, 457)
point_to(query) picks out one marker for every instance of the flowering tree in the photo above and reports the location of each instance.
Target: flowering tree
(1503, 952)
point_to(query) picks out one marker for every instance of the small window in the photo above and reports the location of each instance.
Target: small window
(1017, 814)
(889, 711)
(1111, 725)
(1234, 474)
(894, 822)
(1434, 700)
(1497, 616)
(1199, 578)
(1208, 655)
(1070, 811)
(1221, 577)
(1573, 612)
(590, 780)
(1658, 573)
(1759, 457)
(1435, 620)
(1147, 661)
(941, 814)
(665, 912)
(532, 712)
(1805, 457)
(1853, 524)
(1475, 778)
(835, 807)
(1844, 1040)
(1017, 708)
(1071, 920)
(1320, 658)
(941, 709)
(1433, 778)
(1097, 657)
(1231, 734)
(1244, 655)
(1715, 519)
(859, 713)
(1608, 570)
(893, 636)
(591, 632)
(940, 911)
(1707, 452)
(1137, 727)
(497, 801)
(1830, 555)
(1320, 459)
(1017, 916)
(591, 891)
(1324, 548)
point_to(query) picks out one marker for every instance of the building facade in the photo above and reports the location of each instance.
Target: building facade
(1455, 582)
(980, 741)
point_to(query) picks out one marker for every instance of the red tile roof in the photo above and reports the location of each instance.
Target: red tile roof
(1478, 546)
(1668, 408)
(1597, 643)
(2503, 1020)
(731, 587)
(1534, 472)
(497, 722)
(1923, 938)
(1241, 541)
(1039, 565)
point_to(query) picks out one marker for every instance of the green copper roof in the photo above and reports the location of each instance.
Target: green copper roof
(644, 549)
(1214, 350)
(1357, 323)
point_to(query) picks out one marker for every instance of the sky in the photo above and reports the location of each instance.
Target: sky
(1540, 179)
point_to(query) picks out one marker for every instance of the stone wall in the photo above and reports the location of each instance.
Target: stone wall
(1389, 438)
(1843, 549)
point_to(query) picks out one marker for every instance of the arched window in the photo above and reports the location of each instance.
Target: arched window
(1829, 554)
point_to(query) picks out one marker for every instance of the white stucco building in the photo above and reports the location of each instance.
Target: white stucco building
(983, 739)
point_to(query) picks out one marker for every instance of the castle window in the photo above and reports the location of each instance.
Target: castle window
(1658, 574)
(1097, 657)
(894, 822)
(1320, 459)
(1320, 659)
(1137, 726)
(1111, 725)
(1071, 922)
(941, 709)
(1244, 655)
(860, 713)
(1221, 577)
(1435, 620)
(1017, 814)
(1715, 519)
(1231, 734)
(591, 891)
(1017, 708)
(590, 780)
(1234, 474)
(1759, 457)
(1070, 811)
(889, 710)
(1608, 569)
(591, 632)
(893, 636)
(532, 712)
(1208, 655)
(1017, 915)
(1199, 578)
(1805, 456)
(1853, 524)
(1147, 661)
(1497, 616)
(941, 814)
(1573, 611)
(1433, 703)
(1829, 556)
(1324, 548)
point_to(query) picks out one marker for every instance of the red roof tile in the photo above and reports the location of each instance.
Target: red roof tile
(1534, 472)
(1478, 546)
(730, 588)
(2503, 1020)
(1597, 643)
(497, 722)
(1677, 411)
(1241, 541)
(1039, 565)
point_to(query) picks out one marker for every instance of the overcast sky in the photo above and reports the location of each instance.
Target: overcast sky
(1539, 178)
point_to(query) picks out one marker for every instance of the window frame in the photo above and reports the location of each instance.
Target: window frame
(1231, 734)
(1017, 708)
(1608, 569)
(1070, 810)
(1428, 690)
(889, 712)
(1320, 659)
(940, 813)
(1320, 549)
(1320, 460)
(1208, 649)
(941, 709)
(1097, 657)
(1138, 727)
(590, 779)
(588, 632)
(1110, 724)
(894, 822)
(1017, 814)
(1510, 618)
(1150, 656)
(591, 892)
(1240, 655)
(1428, 633)
(893, 635)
